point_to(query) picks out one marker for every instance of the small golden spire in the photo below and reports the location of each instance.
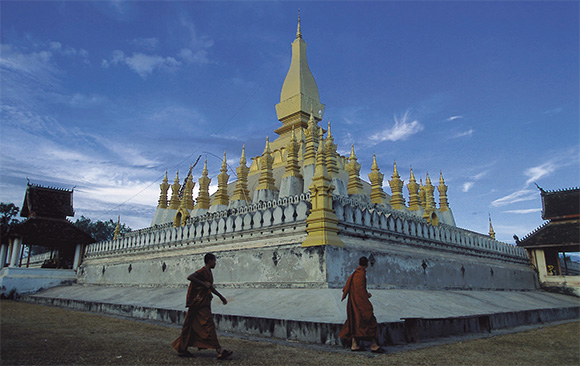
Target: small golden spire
(266, 180)
(175, 187)
(267, 147)
(241, 192)
(442, 188)
(221, 196)
(164, 186)
(292, 166)
(397, 199)
(429, 197)
(413, 187)
(243, 157)
(353, 168)
(203, 194)
(118, 228)
(491, 232)
(376, 178)
(330, 151)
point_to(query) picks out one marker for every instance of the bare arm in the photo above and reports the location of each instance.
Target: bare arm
(193, 278)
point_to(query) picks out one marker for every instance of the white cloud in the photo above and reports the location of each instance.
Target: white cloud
(525, 211)
(197, 57)
(452, 118)
(518, 196)
(403, 129)
(537, 172)
(467, 186)
(467, 133)
(145, 65)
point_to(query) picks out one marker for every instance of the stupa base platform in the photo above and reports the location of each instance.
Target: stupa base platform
(316, 315)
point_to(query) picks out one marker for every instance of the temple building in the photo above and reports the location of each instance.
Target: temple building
(560, 234)
(289, 230)
(288, 165)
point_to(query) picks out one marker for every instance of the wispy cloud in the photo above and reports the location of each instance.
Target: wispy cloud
(467, 133)
(467, 186)
(537, 172)
(142, 64)
(452, 118)
(554, 110)
(525, 211)
(518, 196)
(403, 128)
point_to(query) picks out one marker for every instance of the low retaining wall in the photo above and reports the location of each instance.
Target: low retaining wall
(390, 333)
(28, 280)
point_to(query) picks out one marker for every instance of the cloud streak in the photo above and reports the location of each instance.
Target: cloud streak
(518, 196)
(403, 128)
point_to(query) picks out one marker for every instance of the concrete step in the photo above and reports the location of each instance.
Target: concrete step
(316, 315)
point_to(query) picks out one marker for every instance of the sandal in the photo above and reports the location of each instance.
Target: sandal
(225, 354)
(378, 350)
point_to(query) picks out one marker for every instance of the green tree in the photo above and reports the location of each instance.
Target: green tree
(100, 230)
(8, 212)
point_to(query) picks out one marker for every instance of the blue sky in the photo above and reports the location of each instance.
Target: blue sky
(107, 96)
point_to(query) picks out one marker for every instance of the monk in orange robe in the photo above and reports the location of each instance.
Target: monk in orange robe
(198, 327)
(360, 321)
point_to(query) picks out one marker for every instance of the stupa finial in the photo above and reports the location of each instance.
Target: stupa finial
(298, 30)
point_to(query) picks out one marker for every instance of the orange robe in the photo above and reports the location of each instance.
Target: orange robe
(198, 327)
(360, 320)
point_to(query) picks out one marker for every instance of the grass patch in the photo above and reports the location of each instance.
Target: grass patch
(42, 335)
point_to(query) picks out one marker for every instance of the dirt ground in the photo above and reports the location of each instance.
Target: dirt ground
(41, 335)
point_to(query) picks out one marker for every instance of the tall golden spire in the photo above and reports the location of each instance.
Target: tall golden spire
(353, 167)
(203, 195)
(413, 187)
(376, 177)
(164, 186)
(491, 232)
(175, 187)
(221, 196)
(442, 188)
(241, 192)
(299, 92)
(397, 199)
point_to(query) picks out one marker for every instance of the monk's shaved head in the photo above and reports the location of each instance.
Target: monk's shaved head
(363, 261)
(208, 257)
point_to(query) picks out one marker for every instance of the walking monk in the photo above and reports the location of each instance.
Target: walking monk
(198, 327)
(360, 322)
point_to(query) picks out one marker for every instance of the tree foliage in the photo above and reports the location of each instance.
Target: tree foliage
(8, 212)
(100, 230)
